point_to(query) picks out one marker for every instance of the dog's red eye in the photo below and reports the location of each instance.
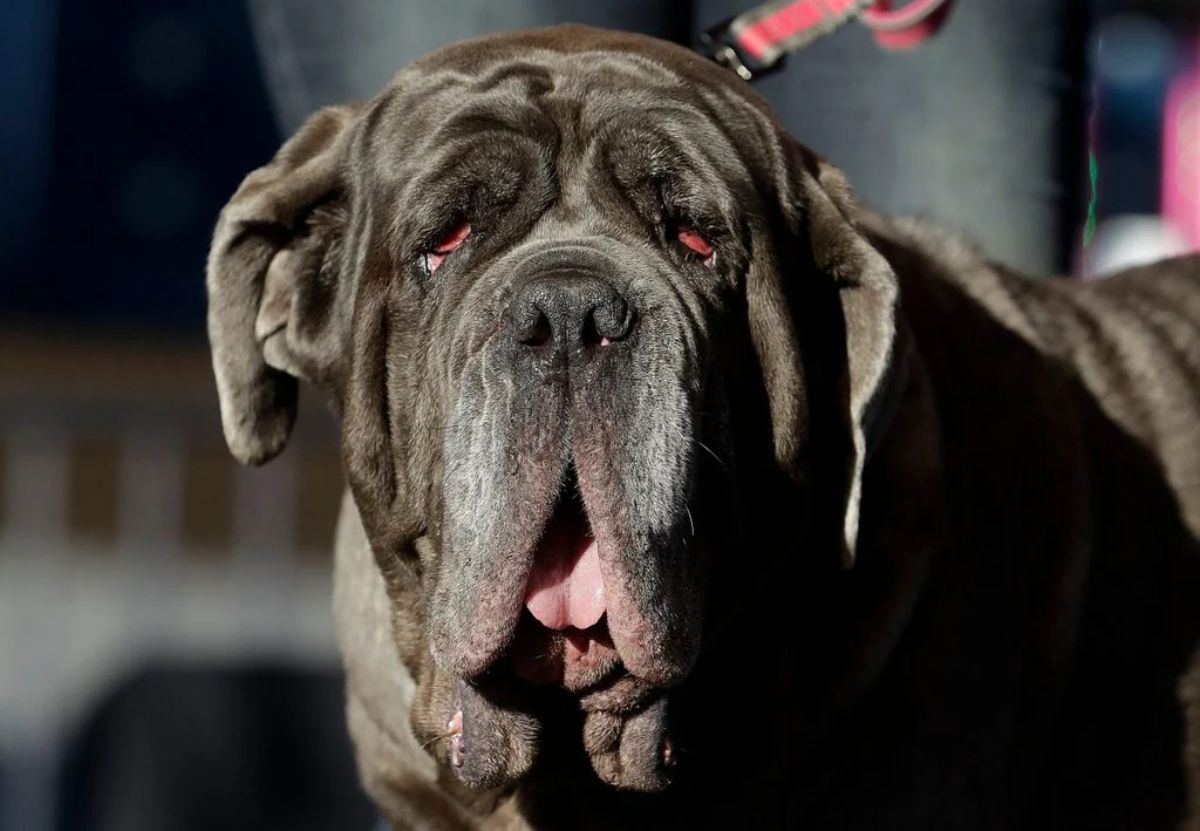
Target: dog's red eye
(447, 245)
(695, 241)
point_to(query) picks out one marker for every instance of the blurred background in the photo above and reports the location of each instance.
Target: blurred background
(166, 648)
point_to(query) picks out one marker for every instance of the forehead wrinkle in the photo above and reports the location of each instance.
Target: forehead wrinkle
(475, 59)
(710, 118)
(422, 110)
(475, 121)
(533, 78)
(618, 69)
(680, 121)
(663, 146)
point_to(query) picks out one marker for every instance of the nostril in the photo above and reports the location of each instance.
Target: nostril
(534, 328)
(609, 321)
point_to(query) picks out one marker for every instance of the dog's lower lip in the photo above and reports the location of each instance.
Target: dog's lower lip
(580, 642)
(575, 658)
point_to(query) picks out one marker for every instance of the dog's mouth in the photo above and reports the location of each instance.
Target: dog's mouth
(565, 595)
(560, 575)
(563, 635)
(566, 588)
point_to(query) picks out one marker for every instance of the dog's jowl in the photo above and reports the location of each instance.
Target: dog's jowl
(684, 492)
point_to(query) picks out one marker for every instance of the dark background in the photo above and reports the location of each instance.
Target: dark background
(129, 126)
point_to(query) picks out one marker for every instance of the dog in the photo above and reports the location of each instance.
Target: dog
(685, 492)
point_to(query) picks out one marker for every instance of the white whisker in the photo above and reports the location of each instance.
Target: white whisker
(711, 452)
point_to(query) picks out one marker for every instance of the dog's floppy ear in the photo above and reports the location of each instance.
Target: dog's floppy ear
(273, 284)
(869, 299)
(851, 277)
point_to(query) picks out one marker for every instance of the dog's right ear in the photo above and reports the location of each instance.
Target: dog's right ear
(274, 284)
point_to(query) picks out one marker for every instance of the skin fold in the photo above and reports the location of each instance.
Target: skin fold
(889, 536)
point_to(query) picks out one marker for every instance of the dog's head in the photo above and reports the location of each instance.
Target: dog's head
(576, 297)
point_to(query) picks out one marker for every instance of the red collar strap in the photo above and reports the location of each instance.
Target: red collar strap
(756, 42)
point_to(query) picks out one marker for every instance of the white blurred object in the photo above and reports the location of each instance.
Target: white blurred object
(1130, 240)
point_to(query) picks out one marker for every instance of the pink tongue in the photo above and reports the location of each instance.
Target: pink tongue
(565, 588)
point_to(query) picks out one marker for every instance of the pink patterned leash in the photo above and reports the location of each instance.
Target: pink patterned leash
(756, 42)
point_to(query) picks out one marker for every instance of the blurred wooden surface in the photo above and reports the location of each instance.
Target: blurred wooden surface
(123, 416)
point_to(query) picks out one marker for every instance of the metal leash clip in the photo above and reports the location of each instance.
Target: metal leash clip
(718, 44)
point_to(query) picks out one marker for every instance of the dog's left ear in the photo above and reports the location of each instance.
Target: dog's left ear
(869, 297)
(853, 277)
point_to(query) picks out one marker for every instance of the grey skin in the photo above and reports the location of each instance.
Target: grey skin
(890, 536)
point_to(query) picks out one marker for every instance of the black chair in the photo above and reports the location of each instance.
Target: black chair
(204, 748)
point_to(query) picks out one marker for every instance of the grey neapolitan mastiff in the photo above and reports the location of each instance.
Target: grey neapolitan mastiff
(686, 493)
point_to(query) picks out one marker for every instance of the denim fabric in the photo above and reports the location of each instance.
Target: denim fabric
(318, 52)
(981, 129)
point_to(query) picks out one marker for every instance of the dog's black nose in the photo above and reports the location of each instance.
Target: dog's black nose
(569, 310)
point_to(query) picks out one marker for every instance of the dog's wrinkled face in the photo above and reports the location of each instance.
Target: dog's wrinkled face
(570, 248)
(530, 273)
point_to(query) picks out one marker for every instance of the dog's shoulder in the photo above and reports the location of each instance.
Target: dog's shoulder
(1122, 333)
(1131, 340)
(1139, 352)
(1161, 295)
(938, 268)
